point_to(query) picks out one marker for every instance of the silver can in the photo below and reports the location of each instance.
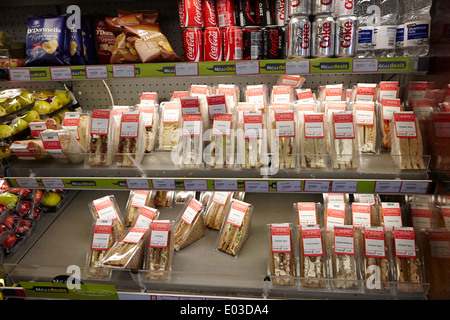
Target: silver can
(298, 7)
(322, 6)
(298, 37)
(323, 36)
(346, 36)
(344, 8)
(280, 12)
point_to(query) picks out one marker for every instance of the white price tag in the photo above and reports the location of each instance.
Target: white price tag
(50, 183)
(344, 186)
(387, 186)
(365, 65)
(419, 187)
(139, 184)
(186, 69)
(289, 186)
(96, 72)
(247, 67)
(19, 74)
(27, 183)
(195, 185)
(298, 67)
(163, 184)
(61, 73)
(123, 71)
(316, 186)
(256, 186)
(225, 185)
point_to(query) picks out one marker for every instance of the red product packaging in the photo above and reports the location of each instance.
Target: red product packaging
(190, 13)
(212, 42)
(233, 44)
(226, 13)
(105, 41)
(209, 13)
(193, 44)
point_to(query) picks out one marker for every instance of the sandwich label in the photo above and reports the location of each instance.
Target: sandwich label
(216, 105)
(102, 233)
(284, 124)
(441, 124)
(177, 95)
(253, 125)
(135, 235)
(335, 198)
(139, 198)
(145, 217)
(305, 106)
(366, 198)
(365, 113)
(305, 95)
(192, 125)
(334, 92)
(147, 112)
(171, 112)
(392, 214)
(52, 144)
(335, 106)
(314, 127)
(311, 240)
(105, 208)
(374, 242)
(361, 214)
(222, 125)
(389, 106)
(129, 124)
(343, 240)
(191, 211)
(100, 122)
(280, 238)
(306, 212)
(421, 215)
(335, 214)
(404, 240)
(199, 90)
(220, 197)
(159, 237)
(237, 213)
(343, 125)
(255, 94)
(439, 244)
(71, 121)
(405, 124)
(36, 127)
(148, 99)
(365, 91)
(281, 94)
(388, 90)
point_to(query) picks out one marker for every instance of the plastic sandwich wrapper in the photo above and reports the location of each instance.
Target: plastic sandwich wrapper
(130, 146)
(77, 123)
(107, 208)
(189, 225)
(386, 110)
(216, 208)
(63, 146)
(101, 139)
(150, 114)
(257, 94)
(344, 141)
(136, 200)
(366, 126)
(184, 196)
(170, 125)
(221, 150)
(308, 213)
(164, 199)
(282, 260)
(191, 153)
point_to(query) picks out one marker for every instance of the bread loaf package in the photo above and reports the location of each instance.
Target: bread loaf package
(313, 259)
(235, 228)
(216, 209)
(282, 254)
(283, 138)
(131, 142)
(406, 137)
(409, 263)
(170, 125)
(107, 208)
(313, 140)
(365, 114)
(128, 253)
(377, 260)
(160, 251)
(150, 114)
(308, 213)
(136, 200)
(104, 236)
(343, 244)
(189, 226)
(101, 139)
(162, 199)
(344, 141)
(61, 145)
(220, 153)
(191, 148)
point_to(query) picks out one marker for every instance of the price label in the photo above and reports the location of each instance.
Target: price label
(225, 185)
(387, 186)
(419, 187)
(247, 67)
(256, 186)
(61, 73)
(289, 186)
(27, 183)
(186, 69)
(53, 183)
(96, 72)
(298, 67)
(316, 186)
(344, 186)
(365, 65)
(123, 71)
(163, 184)
(195, 185)
(139, 184)
(19, 74)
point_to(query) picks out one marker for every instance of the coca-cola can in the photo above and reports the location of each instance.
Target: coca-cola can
(322, 6)
(323, 36)
(226, 13)
(344, 8)
(212, 41)
(280, 10)
(273, 42)
(209, 14)
(246, 13)
(263, 13)
(190, 13)
(298, 35)
(232, 43)
(253, 43)
(193, 44)
(346, 35)
(298, 7)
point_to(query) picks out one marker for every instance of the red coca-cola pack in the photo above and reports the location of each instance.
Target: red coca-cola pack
(212, 42)
(193, 44)
(190, 13)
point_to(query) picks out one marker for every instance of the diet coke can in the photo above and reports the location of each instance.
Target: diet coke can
(209, 14)
(273, 42)
(298, 7)
(344, 8)
(212, 42)
(232, 43)
(253, 43)
(226, 13)
(280, 9)
(323, 37)
(298, 34)
(193, 44)
(322, 6)
(190, 13)
(246, 13)
(346, 35)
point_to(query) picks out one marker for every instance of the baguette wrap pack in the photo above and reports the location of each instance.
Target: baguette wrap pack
(313, 140)
(132, 139)
(136, 200)
(61, 145)
(283, 254)
(101, 139)
(235, 228)
(170, 125)
(189, 225)
(160, 251)
(313, 261)
(216, 209)
(344, 141)
(107, 208)
(104, 236)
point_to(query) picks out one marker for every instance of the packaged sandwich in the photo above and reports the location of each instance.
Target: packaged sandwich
(128, 253)
(136, 200)
(101, 139)
(201, 92)
(292, 80)
(160, 250)
(104, 236)
(377, 259)
(308, 213)
(161, 199)
(257, 94)
(221, 152)
(329, 107)
(61, 145)
(283, 138)
(146, 217)
(440, 151)
(31, 149)
(336, 214)
(422, 212)
(371, 198)
(336, 198)
(106, 208)
(205, 197)
(409, 265)
(313, 140)
(313, 261)
(191, 141)
(184, 196)
(332, 92)
(344, 141)
(407, 145)
(189, 226)
(232, 95)
(282, 94)
(364, 215)
(131, 141)
(390, 215)
(386, 113)
(78, 125)
(305, 96)
(364, 92)
(235, 229)
(150, 115)
(169, 129)
(366, 126)
(282, 258)
(387, 90)
(343, 244)
(216, 209)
